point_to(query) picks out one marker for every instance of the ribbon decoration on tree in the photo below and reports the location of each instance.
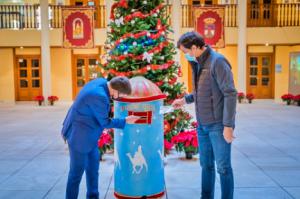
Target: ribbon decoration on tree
(143, 70)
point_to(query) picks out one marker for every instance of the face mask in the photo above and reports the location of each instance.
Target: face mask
(189, 57)
(117, 98)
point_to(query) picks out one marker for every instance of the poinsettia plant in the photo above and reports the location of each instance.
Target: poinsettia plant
(240, 96)
(106, 141)
(173, 123)
(39, 99)
(250, 97)
(52, 99)
(186, 141)
(287, 98)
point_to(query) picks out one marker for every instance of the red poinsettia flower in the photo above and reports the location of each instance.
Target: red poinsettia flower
(168, 145)
(105, 139)
(296, 98)
(241, 95)
(39, 98)
(287, 97)
(195, 142)
(160, 83)
(250, 96)
(52, 98)
(194, 124)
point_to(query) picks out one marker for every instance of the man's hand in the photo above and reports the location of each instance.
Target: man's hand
(228, 134)
(132, 119)
(177, 104)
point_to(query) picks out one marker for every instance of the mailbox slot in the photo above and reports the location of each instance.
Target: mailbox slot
(145, 117)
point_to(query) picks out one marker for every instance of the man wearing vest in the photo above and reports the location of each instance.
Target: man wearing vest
(82, 127)
(214, 95)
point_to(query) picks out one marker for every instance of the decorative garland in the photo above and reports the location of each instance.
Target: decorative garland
(143, 70)
(140, 57)
(141, 15)
(160, 31)
(138, 14)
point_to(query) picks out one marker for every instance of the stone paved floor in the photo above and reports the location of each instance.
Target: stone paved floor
(266, 155)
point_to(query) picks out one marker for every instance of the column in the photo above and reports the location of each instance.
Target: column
(45, 49)
(176, 23)
(108, 4)
(242, 45)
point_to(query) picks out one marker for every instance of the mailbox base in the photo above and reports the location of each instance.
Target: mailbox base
(156, 196)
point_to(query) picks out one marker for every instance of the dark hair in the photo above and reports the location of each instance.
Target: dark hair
(121, 84)
(189, 39)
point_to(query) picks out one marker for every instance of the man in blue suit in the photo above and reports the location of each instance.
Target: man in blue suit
(82, 127)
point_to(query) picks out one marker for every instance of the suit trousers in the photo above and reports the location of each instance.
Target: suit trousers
(79, 163)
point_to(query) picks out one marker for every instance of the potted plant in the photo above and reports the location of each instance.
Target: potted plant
(241, 96)
(250, 97)
(297, 99)
(39, 99)
(287, 98)
(186, 141)
(52, 99)
(105, 143)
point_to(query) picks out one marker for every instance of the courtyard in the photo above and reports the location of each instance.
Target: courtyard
(266, 155)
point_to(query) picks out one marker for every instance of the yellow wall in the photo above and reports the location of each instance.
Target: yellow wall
(260, 49)
(61, 73)
(7, 85)
(282, 56)
(86, 51)
(28, 51)
(230, 52)
(186, 73)
(273, 35)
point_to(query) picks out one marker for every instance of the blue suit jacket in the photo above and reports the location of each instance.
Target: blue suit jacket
(88, 116)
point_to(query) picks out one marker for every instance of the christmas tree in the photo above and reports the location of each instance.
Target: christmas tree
(138, 44)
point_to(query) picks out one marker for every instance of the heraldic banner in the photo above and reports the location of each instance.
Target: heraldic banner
(209, 22)
(78, 27)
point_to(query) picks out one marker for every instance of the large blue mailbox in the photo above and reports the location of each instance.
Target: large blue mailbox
(139, 168)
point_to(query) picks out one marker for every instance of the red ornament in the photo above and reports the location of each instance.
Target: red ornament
(167, 127)
(158, 25)
(123, 4)
(160, 83)
(173, 80)
(179, 72)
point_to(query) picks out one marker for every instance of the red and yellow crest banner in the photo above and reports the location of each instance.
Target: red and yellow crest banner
(78, 27)
(209, 22)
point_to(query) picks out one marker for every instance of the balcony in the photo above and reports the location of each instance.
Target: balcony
(188, 17)
(273, 15)
(258, 15)
(28, 16)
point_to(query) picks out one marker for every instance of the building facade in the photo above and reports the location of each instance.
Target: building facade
(262, 44)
